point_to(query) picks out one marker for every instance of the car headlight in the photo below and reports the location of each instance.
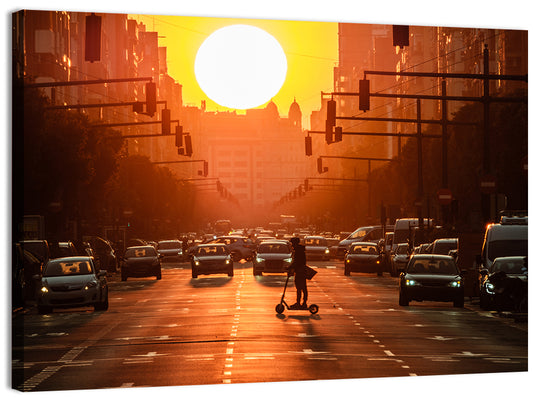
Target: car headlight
(228, 261)
(288, 260)
(455, 284)
(489, 287)
(196, 262)
(259, 260)
(347, 260)
(44, 289)
(411, 283)
(90, 285)
(326, 251)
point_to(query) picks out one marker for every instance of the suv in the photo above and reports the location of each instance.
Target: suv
(362, 234)
(240, 247)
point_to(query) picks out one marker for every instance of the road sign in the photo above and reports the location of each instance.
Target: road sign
(445, 196)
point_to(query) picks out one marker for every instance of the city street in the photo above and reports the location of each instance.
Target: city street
(179, 331)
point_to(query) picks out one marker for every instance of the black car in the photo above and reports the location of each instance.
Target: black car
(431, 278)
(141, 261)
(363, 257)
(274, 256)
(211, 259)
(513, 267)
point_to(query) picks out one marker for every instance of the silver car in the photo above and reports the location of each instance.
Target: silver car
(72, 282)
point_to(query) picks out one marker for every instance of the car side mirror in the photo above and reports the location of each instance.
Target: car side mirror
(36, 277)
(401, 270)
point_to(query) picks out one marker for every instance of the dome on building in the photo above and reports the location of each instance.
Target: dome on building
(295, 114)
(272, 108)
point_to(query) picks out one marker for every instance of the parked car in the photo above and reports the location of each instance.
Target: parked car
(513, 267)
(400, 257)
(141, 261)
(240, 247)
(25, 265)
(211, 259)
(316, 247)
(363, 257)
(62, 249)
(274, 256)
(72, 282)
(430, 277)
(171, 249)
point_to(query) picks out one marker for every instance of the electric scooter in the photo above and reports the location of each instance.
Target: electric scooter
(280, 307)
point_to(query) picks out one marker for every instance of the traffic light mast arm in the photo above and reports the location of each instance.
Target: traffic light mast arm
(85, 82)
(449, 75)
(357, 158)
(193, 160)
(102, 105)
(436, 136)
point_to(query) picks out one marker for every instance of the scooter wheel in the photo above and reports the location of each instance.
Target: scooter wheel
(313, 308)
(280, 308)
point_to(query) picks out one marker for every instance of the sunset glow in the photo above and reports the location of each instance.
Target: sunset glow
(240, 66)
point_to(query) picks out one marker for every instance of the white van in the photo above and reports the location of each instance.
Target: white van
(404, 230)
(507, 238)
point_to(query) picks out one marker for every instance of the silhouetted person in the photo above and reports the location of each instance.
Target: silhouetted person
(298, 266)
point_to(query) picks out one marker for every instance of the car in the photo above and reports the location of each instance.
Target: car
(399, 258)
(38, 248)
(72, 282)
(171, 249)
(141, 261)
(211, 258)
(316, 247)
(62, 249)
(363, 257)
(104, 253)
(240, 247)
(362, 234)
(513, 267)
(443, 246)
(429, 277)
(274, 256)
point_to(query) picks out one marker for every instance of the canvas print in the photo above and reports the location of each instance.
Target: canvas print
(204, 201)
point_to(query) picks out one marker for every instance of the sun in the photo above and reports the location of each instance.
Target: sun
(240, 66)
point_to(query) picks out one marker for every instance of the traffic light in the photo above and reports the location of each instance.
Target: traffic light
(331, 119)
(93, 37)
(319, 164)
(151, 100)
(364, 95)
(165, 121)
(188, 145)
(179, 136)
(338, 134)
(400, 35)
(306, 184)
(308, 146)
(206, 168)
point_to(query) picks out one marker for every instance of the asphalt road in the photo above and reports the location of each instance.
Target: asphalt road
(180, 331)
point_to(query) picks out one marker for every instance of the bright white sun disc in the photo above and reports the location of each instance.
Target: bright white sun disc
(240, 66)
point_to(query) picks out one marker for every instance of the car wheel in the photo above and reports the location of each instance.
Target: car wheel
(346, 271)
(102, 306)
(230, 272)
(158, 275)
(403, 301)
(484, 302)
(123, 277)
(194, 274)
(280, 308)
(256, 273)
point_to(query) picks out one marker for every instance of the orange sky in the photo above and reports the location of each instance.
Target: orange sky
(310, 47)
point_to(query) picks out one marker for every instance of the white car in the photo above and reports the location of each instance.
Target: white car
(72, 282)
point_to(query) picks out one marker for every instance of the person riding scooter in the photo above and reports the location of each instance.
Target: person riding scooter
(298, 267)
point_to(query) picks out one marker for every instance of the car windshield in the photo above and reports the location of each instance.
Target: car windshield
(274, 248)
(501, 248)
(315, 242)
(58, 268)
(509, 266)
(402, 249)
(432, 266)
(444, 247)
(212, 250)
(141, 252)
(169, 245)
(359, 233)
(363, 249)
